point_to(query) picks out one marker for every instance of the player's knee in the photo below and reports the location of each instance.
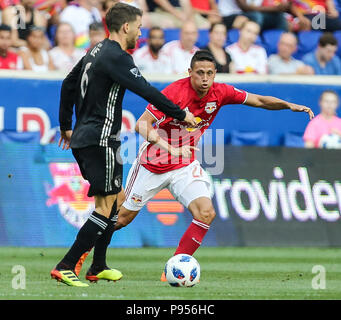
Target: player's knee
(206, 215)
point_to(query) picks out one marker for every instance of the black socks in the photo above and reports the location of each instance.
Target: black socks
(102, 243)
(92, 229)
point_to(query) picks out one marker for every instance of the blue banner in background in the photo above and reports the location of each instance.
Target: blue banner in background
(43, 202)
(27, 104)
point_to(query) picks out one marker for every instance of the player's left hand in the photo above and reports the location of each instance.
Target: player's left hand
(65, 137)
(299, 108)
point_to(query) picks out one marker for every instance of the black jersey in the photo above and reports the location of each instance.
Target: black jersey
(96, 86)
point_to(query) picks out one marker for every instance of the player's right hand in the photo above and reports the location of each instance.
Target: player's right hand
(190, 119)
(65, 137)
(185, 151)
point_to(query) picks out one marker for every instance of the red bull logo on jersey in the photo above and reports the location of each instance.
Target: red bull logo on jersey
(210, 107)
(136, 198)
(69, 193)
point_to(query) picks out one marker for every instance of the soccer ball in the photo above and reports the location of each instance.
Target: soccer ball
(182, 270)
(330, 141)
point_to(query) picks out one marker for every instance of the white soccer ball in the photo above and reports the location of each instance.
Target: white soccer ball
(330, 141)
(182, 270)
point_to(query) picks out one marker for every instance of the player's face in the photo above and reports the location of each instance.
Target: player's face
(5, 40)
(329, 103)
(134, 32)
(202, 75)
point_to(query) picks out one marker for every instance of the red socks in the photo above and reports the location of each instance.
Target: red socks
(192, 238)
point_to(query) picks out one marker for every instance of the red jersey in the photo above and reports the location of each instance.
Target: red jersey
(178, 133)
(11, 61)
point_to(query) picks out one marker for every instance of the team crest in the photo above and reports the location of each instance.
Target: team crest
(136, 72)
(70, 193)
(210, 107)
(136, 198)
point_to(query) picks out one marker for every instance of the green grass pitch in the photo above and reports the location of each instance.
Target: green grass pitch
(226, 273)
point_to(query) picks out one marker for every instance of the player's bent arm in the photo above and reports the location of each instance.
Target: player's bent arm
(144, 126)
(272, 103)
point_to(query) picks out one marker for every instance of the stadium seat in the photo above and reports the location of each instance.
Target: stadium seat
(172, 34)
(233, 36)
(270, 40)
(337, 35)
(249, 138)
(307, 42)
(203, 38)
(293, 140)
(9, 136)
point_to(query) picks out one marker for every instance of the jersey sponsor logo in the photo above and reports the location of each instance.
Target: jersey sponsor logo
(136, 72)
(210, 107)
(69, 192)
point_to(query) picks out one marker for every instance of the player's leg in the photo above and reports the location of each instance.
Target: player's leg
(203, 214)
(97, 165)
(102, 243)
(192, 190)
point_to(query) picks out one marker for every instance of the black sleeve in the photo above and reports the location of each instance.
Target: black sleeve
(68, 96)
(124, 71)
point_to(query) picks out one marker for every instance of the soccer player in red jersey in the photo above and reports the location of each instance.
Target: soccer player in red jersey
(167, 157)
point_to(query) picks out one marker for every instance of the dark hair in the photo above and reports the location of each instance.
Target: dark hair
(329, 91)
(203, 55)
(327, 38)
(120, 14)
(216, 24)
(5, 27)
(96, 26)
(153, 29)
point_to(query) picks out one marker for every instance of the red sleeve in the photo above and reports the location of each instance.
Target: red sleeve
(232, 95)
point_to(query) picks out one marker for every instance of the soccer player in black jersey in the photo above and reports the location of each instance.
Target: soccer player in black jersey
(96, 86)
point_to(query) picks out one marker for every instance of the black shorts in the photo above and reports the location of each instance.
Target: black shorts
(102, 167)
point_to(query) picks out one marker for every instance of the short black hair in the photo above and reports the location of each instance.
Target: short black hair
(153, 29)
(119, 14)
(5, 27)
(96, 26)
(327, 38)
(203, 55)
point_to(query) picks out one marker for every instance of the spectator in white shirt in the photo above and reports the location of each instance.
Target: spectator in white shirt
(80, 17)
(152, 58)
(232, 14)
(65, 55)
(246, 56)
(181, 51)
(283, 62)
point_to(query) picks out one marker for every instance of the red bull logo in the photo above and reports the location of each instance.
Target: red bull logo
(70, 193)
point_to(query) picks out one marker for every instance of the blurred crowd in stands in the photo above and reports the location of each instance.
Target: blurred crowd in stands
(245, 36)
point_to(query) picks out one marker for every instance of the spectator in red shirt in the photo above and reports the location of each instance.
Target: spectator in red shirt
(8, 59)
(208, 9)
(316, 15)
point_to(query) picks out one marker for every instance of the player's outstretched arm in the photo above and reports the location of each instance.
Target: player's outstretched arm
(126, 73)
(144, 126)
(272, 103)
